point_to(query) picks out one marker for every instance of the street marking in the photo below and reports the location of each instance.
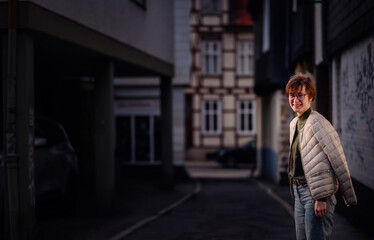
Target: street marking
(133, 228)
(284, 204)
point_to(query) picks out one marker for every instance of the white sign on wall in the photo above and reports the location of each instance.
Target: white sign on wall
(137, 107)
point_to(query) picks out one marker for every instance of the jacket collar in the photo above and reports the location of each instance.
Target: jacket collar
(292, 129)
(306, 126)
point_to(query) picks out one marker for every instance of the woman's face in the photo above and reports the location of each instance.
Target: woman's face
(299, 100)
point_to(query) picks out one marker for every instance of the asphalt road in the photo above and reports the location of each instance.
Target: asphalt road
(226, 204)
(225, 208)
(233, 204)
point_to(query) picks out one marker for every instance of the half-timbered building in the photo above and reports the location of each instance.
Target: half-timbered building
(221, 106)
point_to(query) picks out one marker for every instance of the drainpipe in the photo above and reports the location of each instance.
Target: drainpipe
(324, 33)
(287, 40)
(10, 154)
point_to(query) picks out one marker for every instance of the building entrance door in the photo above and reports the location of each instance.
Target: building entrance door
(138, 139)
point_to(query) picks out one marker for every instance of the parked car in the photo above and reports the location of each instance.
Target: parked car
(232, 157)
(55, 165)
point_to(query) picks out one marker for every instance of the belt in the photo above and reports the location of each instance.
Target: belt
(298, 182)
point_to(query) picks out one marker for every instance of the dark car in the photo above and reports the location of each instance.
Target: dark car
(232, 157)
(55, 164)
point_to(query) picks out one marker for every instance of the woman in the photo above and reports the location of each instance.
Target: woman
(317, 165)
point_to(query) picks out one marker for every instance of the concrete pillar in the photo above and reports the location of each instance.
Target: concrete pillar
(178, 125)
(271, 114)
(18, 119)
(25, 133)
(167, 133)
(104, 138)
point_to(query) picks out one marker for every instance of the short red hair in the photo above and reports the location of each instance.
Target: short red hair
(300, 80)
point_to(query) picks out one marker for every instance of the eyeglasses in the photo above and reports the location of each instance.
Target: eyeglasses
(299, 96)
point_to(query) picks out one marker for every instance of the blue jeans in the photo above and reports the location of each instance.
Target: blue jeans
(308, 225)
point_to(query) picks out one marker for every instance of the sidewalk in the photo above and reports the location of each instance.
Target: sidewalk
(137, 202)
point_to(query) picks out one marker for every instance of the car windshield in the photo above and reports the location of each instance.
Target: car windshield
(250, 144)
(50, 131)
(43, 129)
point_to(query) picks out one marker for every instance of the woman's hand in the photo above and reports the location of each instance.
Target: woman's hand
(320, 208)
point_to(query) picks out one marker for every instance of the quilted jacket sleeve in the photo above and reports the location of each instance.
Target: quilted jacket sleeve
(329, 140)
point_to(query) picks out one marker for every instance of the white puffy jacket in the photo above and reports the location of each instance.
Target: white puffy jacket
(323, 159)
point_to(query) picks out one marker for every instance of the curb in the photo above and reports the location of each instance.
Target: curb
(270, 192)
(133, 228)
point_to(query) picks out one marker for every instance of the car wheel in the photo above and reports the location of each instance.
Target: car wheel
(231, 162)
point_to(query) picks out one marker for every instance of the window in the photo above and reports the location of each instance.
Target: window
(244, 56)
(246, 117)
(294, 6)
(211, 57)
(266, 26)
(211, 6)
(211, 117)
